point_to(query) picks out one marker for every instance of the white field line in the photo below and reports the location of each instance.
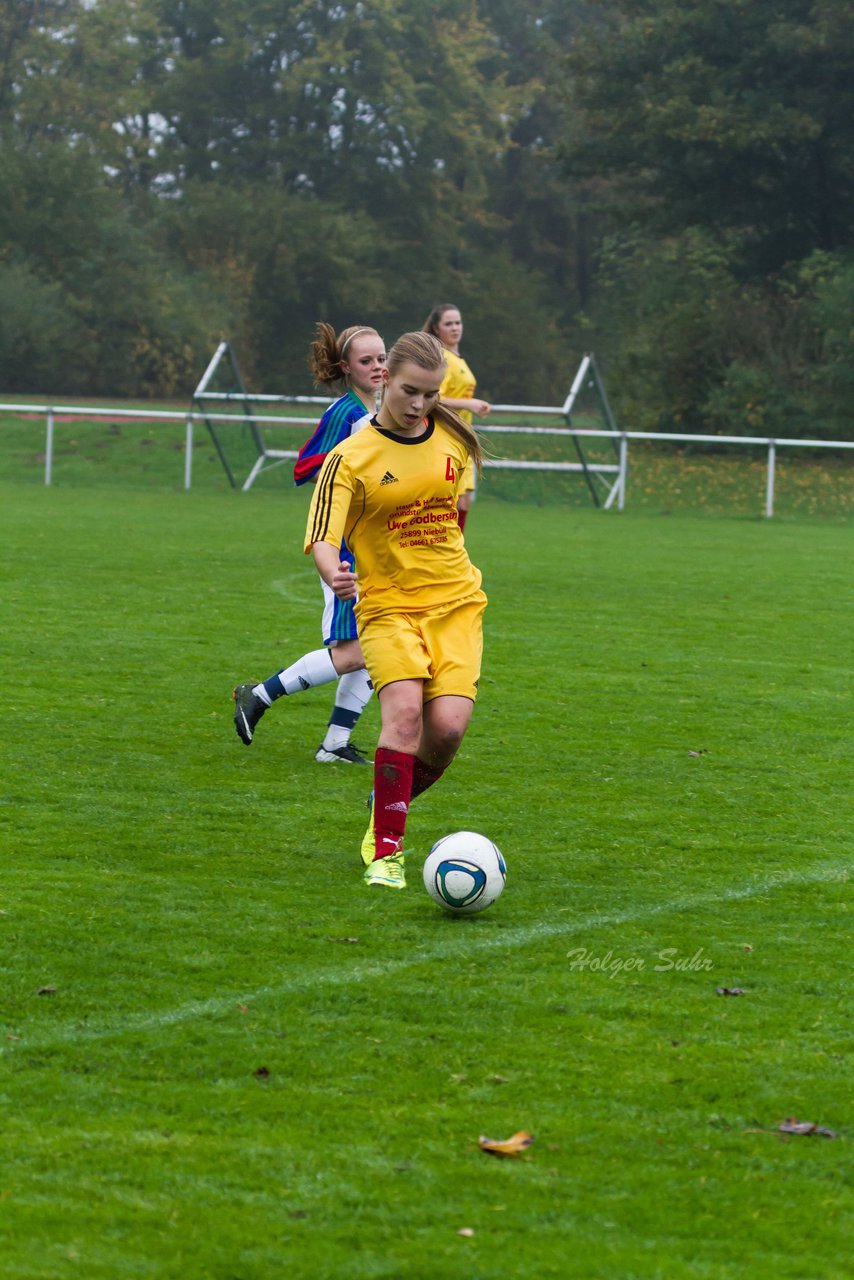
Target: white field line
(472, 947)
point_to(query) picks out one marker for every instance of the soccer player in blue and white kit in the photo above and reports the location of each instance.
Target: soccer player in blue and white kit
(353, 359)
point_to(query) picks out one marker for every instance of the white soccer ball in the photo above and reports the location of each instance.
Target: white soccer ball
(464, 873)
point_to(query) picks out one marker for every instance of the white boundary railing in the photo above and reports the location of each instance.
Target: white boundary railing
(616, 494)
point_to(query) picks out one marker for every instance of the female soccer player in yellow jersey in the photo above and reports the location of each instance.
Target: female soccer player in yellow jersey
(391, 492)
(458, 384)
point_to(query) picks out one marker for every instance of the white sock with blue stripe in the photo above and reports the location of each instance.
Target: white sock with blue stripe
(351, 697)
(309, 671)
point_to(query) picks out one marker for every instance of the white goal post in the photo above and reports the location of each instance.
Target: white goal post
(244, 451)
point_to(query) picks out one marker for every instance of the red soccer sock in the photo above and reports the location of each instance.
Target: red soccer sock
(392, 793)
(423, 776)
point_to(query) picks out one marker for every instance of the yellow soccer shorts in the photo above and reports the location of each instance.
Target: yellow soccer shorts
(441, 646)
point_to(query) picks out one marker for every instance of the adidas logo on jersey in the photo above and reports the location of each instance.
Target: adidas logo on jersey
(388, 478)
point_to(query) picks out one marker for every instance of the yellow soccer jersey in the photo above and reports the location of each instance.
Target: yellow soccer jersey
(458, 382)
(393, 500)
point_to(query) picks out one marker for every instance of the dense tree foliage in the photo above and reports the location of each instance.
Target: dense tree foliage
(735, 116)
(721, 133)
(669, 183)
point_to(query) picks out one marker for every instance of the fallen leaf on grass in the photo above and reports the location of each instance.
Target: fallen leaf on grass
(498, 1080)
(793, 1127)
(729, 991)
(244, 1008)
(513, 1146)
(704, 751)
(466, 1231)
(343, 939)
(46, 991)
(804, 1128)
(262, 1073)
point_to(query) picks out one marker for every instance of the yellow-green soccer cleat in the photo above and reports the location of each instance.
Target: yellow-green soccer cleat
(367, 850)
(387, 871)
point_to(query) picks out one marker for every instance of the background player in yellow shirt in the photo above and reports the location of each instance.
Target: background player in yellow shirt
(391, 492)
(458, 384)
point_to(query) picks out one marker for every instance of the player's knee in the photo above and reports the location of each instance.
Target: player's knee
(402, 724)
(404, 732)
(347, 657)
(446, 739)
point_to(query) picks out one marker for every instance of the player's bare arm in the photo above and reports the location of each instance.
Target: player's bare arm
(478, 407)
(334, 571)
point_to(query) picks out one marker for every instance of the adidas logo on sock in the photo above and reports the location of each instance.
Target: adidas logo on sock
(388, 478)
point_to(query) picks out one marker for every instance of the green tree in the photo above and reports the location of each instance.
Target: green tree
(142, 320)
(828, 284)
(736, 116)
(544, 210)
(32, 36)
(283, 262)
(182, 168)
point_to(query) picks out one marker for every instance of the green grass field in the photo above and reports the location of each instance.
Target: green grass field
(224, 1058)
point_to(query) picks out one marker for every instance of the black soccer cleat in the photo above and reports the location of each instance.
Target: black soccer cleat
(348, 753)
(248, 710)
